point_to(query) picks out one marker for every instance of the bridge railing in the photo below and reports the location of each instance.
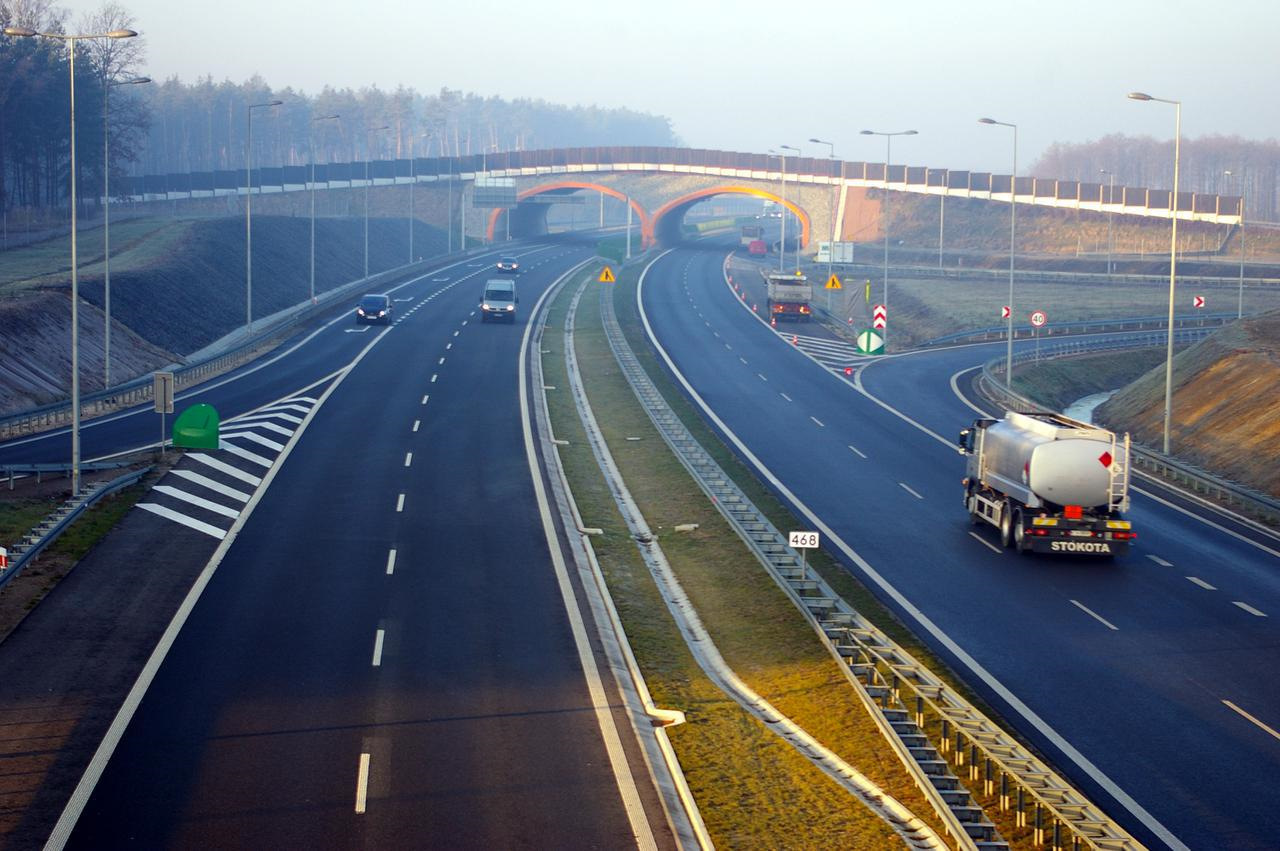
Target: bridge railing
(1072, 194)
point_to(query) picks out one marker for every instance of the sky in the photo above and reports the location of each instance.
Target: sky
(750, 76)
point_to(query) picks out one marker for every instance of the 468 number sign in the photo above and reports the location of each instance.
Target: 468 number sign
(803, 540)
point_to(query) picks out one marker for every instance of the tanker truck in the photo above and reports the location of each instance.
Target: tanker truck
(1049, 483)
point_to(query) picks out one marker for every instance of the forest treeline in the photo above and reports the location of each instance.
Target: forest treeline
(175, 127)
(1204, 162)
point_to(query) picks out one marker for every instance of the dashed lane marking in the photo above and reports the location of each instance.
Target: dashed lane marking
(1251, 719)
(984, 542)
(1091, 613)
(1250, 609)
(909, 490)
(1196, 580)
(858, 452)
(1159, 560)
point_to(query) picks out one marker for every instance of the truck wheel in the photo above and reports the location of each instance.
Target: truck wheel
(1019, 533)
(1006, 525)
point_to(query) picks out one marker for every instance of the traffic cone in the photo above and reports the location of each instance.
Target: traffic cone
(848, 370)
(795, 341)
(773, 323)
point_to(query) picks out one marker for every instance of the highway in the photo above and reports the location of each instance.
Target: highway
(381, 655)
(1148, 680)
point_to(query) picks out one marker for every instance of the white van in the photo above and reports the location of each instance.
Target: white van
(499, 300)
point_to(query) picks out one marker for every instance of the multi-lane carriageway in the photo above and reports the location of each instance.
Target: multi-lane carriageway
(1149, 680)
(350, 676)
(380, 653)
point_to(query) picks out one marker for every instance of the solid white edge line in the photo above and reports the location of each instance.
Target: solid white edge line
(93, 772)
(1014, 702)
(362, 783)
(1250, 718)
(636, 815)
(1091, 613)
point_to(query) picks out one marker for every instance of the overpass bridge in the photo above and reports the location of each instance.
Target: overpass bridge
(662, 184)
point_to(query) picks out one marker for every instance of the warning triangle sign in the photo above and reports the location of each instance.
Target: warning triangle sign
(606, 275)
(833, 283)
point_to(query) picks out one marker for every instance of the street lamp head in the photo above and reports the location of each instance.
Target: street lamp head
(819, 142)
(987, 121)
(909, 133)
(122, 34)
(867, 133)
(325, 117)
(19, 32)
(1140, 96)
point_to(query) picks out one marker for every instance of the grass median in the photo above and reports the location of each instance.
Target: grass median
(753, 789)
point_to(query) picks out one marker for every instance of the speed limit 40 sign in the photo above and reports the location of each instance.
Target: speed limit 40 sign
(803, 540)
(1039, 318)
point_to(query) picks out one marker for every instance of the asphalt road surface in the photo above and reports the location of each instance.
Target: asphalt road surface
(1149, 680)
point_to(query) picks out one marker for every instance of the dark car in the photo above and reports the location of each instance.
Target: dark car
(374, 307)
(508, 264)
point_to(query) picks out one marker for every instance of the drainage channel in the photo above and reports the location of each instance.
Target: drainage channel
(937, 734)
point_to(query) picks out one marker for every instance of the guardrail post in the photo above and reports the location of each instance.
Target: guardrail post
(1038, 836)
(920, 712)
(944, 742)
(973, 761)
(1057, 835)
(1020, 809)
(1004, 791)
(893, 687)
(988, 780)
(959, 748)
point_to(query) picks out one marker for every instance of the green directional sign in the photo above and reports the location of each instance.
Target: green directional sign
(870, 342)
(196, 428)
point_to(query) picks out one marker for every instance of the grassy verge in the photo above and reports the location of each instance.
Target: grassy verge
(752, 788)
(1059, 382)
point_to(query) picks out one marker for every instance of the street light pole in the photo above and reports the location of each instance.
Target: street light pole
(70, 41)
(107, 85)
(831, 212)
(1111, 193)
(784, 212)
(888, 158)
(369, 131)
(1240, 296)
(413, 178)
(248, 218)
(1013, 234)
(311, 143)
(782, 216)
(1173, 255)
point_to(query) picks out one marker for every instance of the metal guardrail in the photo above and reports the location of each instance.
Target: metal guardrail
(1050, 276)
(54, 525)
(1138, 323)
(940, 732)
(12, 471)
(1155, 464)
(139, 390)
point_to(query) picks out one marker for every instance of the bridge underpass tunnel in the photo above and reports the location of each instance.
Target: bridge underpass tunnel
(567, 206)
(673, 225)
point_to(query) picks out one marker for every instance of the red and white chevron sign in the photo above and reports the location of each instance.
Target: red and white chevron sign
(1005, 312)
(1199, 301)
(879, 316)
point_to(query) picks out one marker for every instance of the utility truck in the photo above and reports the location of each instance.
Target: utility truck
(789, 296)
(1049, 483)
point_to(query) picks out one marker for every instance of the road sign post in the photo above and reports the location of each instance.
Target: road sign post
(803, 541)
(162, 391)
(1038, 318)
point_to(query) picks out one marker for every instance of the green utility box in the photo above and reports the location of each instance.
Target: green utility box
(196, 428)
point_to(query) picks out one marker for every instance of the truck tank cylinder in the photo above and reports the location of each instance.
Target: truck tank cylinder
(1064, 471)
